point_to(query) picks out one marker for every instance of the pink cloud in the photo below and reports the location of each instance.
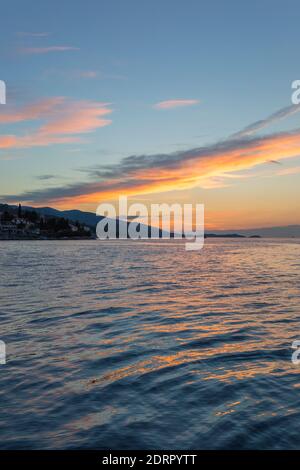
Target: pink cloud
(34, 140)
(171, 104)
(30, 112)
(65, 120)
(78, 118)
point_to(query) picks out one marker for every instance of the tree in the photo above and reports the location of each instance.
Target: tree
(7, 217)
(32, 216)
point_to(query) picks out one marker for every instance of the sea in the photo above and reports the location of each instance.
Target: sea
(144, 345)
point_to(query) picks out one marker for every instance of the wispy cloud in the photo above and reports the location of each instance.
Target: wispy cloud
(88, 74)
(83, 74)
(30, 112)
(263, 123)
(63, 121)
(46, 50)
(171, 104)
(98, 74)
(32, 34)
(289, 171)
(45, 177)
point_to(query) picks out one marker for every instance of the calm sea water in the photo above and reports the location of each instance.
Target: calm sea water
(144, 345)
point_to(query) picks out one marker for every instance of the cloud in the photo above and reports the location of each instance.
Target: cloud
(45, 177)
(207, 167)
(77, 118)
(46, 50)
(171, 104)
(145, 174)
(289, 171)
(83, 74)
(64, 120)
(30, 112)
(273, 118)
(88, 74)
(32, 35)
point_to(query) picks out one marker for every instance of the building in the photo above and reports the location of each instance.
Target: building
(8, 228)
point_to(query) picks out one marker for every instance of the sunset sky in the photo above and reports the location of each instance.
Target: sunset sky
(163, 101)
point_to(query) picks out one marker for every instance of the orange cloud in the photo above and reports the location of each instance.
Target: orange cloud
(194, 170)
(171, 104)
(147, 174)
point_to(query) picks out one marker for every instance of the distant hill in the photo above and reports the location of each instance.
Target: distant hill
(91, 219)
(289, 231)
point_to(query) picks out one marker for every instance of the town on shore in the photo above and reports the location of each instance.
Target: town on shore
(23, 224)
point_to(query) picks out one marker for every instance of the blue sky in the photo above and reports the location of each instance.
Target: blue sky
(236, 59)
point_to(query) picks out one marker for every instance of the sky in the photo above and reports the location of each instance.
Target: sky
(162, 101)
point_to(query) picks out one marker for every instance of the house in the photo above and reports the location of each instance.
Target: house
(8, 228)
